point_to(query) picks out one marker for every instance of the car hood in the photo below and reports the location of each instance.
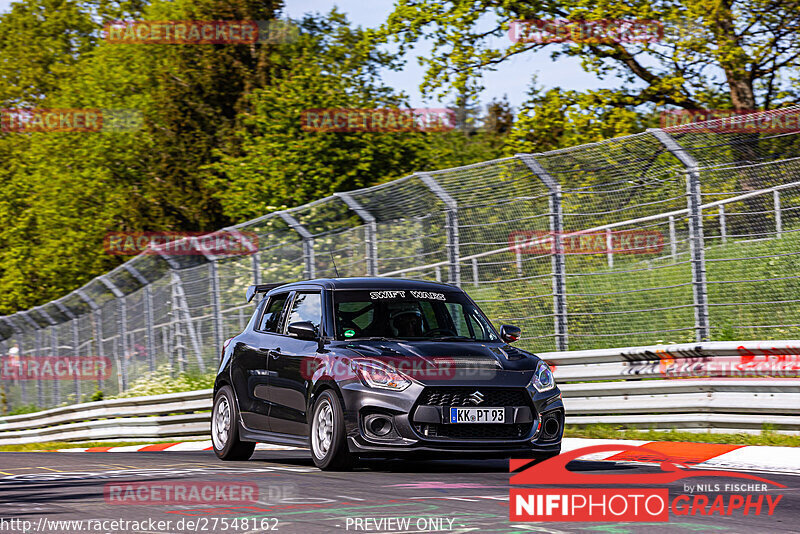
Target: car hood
(459, 356)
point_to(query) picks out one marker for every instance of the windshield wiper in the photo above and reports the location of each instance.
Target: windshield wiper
(452, 338)
(373, 338)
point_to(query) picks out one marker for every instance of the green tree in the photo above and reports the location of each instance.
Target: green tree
(754, 45)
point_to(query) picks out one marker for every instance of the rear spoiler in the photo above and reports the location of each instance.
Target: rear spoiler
(261, 288)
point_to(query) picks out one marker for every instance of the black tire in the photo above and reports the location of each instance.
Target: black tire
(336, 457)
(227, 445)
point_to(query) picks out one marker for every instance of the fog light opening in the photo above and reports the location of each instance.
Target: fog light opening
(378, 425)
(551, 427)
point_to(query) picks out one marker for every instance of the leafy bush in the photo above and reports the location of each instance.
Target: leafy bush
(161, 381)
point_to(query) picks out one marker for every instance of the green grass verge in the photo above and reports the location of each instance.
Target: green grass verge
(49, 445)
(766, 437)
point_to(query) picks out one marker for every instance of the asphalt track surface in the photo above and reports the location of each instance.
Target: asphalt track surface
(295, 497)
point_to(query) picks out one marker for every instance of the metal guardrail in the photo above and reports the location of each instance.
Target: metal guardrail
(175, 415)
(716, 386)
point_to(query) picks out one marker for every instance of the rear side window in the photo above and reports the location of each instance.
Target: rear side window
(270, 321)
(306, 307)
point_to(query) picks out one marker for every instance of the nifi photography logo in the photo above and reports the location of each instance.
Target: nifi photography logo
(611, 497)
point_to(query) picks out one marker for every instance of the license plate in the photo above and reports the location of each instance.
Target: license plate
(477, 415)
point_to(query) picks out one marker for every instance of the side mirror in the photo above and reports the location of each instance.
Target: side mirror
(303, 330)
(509, 333)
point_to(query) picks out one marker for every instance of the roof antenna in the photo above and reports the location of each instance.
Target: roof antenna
(334, 265)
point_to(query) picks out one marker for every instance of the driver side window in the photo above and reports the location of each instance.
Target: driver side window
(306, 307)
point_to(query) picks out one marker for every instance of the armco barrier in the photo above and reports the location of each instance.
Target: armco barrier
(175, 415)
(660, 387)
(724, 386)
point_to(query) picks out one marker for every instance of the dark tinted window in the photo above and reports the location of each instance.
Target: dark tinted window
(306, 307)
(270, 321)
(409, 314)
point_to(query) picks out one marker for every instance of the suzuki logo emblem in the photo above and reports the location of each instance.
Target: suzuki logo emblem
(476, 398)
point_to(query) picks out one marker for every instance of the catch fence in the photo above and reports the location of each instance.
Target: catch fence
(673, 235)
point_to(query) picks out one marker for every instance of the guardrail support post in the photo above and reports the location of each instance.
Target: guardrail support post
(370, 232)
(697, 246)
(557, 259)
(308, 243)
(451, 223)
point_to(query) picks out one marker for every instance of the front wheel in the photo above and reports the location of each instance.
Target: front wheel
(327, 434)
(225, 431)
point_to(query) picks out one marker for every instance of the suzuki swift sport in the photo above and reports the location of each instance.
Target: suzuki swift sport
(357, 367)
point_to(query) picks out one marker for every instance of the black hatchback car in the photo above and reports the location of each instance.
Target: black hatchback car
(355, 367)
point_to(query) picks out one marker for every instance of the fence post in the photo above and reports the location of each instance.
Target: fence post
(181, 308)
(16, 330)
(610, 248)
(697, 245)
(451, 223)
(557, 259)
(475, 273)
(308, 243)
(37, 340)
(723, 227)
(776, 198)
(673, 239)
(370, 232)
(252, 249)
(122, 329)
(53, 349)
(97, 316)
(148, 314)
(71, 316)
(216, 306)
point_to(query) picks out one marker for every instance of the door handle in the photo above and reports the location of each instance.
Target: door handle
(275, 353)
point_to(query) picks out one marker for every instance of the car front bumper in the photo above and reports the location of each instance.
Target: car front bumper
(418, 415)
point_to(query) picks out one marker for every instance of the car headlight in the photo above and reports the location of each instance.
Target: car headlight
(543, 378)
(379, 376)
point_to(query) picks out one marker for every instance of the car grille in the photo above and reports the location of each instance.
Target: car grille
(459, 396)
(467, 432)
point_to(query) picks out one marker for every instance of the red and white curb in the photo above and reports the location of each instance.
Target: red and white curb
(699, 455)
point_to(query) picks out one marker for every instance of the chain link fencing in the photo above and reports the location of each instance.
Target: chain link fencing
(682, 234)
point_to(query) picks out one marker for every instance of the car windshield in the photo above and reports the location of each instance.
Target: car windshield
(409, 315)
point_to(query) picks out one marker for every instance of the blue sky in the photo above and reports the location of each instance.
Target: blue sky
(512, 78)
